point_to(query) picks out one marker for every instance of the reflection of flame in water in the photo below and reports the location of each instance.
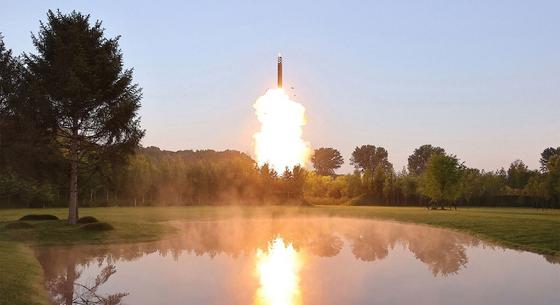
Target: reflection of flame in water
(279, 141)
(278, 271)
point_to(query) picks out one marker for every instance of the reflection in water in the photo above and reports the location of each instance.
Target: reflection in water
(67, 289)
(213, 256)
(278, 270)
(441, 250)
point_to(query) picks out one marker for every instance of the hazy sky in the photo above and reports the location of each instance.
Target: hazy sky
(479, 78)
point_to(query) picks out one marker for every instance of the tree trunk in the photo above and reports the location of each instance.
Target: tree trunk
(73, 200)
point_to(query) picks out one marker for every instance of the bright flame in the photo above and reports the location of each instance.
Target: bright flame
(278, 271)
(279, 141)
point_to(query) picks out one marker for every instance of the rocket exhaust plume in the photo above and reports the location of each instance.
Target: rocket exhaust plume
(279, 142)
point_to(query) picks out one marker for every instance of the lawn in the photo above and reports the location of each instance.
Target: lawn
(21, 278)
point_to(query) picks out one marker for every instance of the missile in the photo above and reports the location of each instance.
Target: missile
(279, 71)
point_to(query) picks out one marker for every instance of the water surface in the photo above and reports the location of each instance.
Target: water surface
(301, 261)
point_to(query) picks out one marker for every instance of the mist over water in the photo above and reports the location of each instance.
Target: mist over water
(323, 261)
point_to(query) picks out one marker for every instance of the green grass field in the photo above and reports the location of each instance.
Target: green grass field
(21, 280)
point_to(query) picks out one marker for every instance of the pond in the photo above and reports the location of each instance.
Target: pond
(300, 261)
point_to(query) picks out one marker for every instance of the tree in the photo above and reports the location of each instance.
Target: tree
(369, 157)
(408, 186)
(10, 76)
(267, 181)
(293, 182)
(493, 184)
(389, 186)
(26, 158)
(518, 175)
(379, 175)
(298, 181)
(470, 184)
(552, 179)
(419, 159)
(373, 162)
(355, 185)
(326, 161)
(546, 155)
(440, 179)
(78, 74)
(537, 188)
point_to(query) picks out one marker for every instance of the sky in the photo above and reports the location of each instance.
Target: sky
(478, 78)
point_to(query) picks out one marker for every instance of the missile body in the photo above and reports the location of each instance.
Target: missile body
(279, 71)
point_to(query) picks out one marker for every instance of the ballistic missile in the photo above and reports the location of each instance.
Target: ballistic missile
(279, 71)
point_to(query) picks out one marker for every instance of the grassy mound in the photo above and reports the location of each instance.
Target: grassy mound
(97, 226)
(33, 217)
(88, 219)
(18, 226)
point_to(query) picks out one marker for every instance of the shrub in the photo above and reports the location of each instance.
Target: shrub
(18, 226)
(97, 226)
(33, 217)
(88, 219)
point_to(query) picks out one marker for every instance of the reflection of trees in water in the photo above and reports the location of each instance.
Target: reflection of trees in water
(325, 245)
(369, 241)
(444, 252)
(69, 290)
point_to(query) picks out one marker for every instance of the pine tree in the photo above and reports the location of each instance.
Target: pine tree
(77, 76)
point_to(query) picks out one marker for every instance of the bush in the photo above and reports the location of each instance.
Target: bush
(33, 217)
(97, 226)
(88, 219)
(18, 226)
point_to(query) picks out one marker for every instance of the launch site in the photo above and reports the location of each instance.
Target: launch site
(292, 153)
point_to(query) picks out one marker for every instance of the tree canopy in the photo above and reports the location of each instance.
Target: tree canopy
(326, 161)
(546, 155)
(10, 75)
(518, 175)
(418, 161)
(440, 180)
(369, 157)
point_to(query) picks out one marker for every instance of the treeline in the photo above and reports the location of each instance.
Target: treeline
(434, 178)
(154, 177)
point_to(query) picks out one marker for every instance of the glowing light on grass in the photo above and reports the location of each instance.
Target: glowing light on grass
(279, 141)
(278, 271)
